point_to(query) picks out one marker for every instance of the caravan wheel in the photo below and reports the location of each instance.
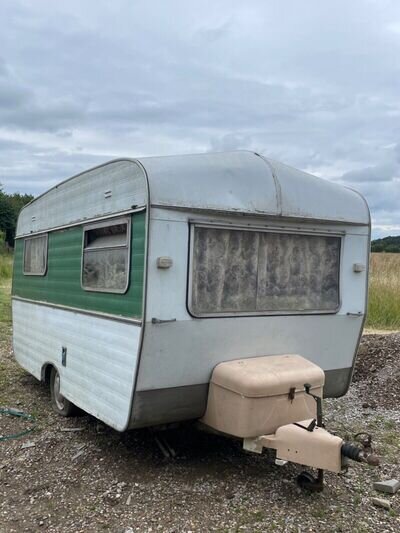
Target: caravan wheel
(60, 404)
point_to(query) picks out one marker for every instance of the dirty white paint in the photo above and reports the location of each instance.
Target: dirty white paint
(245, 182)
(184, 352)
(83, 197)
(101, 356)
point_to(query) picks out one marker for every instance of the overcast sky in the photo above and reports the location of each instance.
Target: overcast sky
(315, 84)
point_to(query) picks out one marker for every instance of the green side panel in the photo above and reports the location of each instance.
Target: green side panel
(62, 283)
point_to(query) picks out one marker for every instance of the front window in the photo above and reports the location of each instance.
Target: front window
(106, 252)
(255, 272)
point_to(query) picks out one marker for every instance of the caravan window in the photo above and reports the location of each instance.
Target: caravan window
(35, 255)
(253, 272)
(106, 252)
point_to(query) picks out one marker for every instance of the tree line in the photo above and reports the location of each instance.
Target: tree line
(387, 244)
(10, 206)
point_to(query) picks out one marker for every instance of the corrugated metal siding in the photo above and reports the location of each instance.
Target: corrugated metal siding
(86, 196)
(101, 357)
(62, 283)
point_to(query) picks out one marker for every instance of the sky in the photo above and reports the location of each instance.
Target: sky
(313, 84)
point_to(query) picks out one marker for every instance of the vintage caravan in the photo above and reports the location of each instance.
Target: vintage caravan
(224, 287)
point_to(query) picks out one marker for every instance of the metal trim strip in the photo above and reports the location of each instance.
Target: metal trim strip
(256, 214)
(267, 228)
(144, 308)
(366, 290)
(98, 314)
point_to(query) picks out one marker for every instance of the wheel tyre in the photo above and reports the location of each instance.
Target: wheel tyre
(61, 405)
(307, 481)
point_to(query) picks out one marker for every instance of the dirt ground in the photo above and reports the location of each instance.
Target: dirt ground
(73, 475)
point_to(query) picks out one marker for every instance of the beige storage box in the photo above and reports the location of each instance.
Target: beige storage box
(253, 397)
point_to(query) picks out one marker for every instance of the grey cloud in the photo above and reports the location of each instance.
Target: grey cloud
(45, 168)
(12, 97)
(211, 34)
(315, 86)
(7, 146)
(21, 108)
(231, 141)
(53, 117)
(378, 173)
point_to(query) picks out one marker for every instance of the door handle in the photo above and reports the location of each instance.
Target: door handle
(159, 321)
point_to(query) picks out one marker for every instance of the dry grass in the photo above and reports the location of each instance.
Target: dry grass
(384, 292)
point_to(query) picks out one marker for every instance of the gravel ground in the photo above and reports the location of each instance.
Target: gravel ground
(378, 370)
(95, 479)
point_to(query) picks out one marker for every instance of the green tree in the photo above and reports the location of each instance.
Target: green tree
(10, 206)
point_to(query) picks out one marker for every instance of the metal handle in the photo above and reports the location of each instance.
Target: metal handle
(359, 313)
(159, 321)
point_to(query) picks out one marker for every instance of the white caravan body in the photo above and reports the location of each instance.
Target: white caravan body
(202, 301)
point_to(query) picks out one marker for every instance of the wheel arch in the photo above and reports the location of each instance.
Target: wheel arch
(46, 371)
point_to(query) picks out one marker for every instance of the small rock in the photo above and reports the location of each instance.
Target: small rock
(391, 486)
(380, 502)
(78, 454)
(28, 444)
(128, 500)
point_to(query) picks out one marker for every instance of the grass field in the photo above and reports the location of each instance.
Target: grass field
(384, 291)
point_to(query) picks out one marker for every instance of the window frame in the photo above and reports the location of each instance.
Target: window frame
(28, 238)
(105, 224)
(296, 231)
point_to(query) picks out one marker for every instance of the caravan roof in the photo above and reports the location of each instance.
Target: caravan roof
(236, 182)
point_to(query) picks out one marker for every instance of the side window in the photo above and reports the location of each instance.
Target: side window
(106, 253)
(35, 255)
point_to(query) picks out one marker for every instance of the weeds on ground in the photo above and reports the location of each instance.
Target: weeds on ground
(6, 260)
(5, 304)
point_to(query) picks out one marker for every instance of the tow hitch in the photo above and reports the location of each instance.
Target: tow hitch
(308, 443)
